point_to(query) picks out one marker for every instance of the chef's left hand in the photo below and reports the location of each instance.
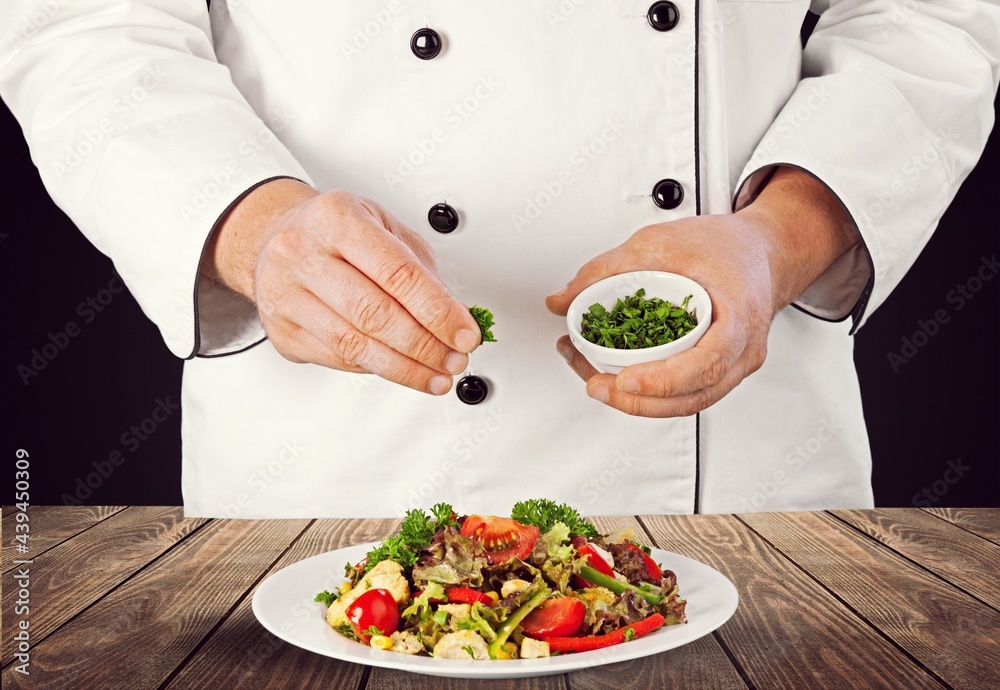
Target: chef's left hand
(752, 263)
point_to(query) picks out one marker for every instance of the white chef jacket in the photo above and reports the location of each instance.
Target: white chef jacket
(545, 125)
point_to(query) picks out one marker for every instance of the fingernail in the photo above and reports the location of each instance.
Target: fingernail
(628, 385)
(566, 350)
(466, 340)
(560, 292)
(456, 362)
(599, 392)
(439, 385)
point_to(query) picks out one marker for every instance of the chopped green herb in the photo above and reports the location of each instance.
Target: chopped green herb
(327, 597)
(346, 630)
(637, 322)
(372, 631)
(484, 317)
(544, 513)
(468, 650)
(629, 633)
(415, 533)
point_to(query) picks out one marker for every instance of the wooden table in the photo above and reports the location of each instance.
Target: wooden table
(139, 597)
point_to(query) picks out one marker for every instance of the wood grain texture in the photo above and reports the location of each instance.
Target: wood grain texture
(964, 559)
(50, 525)
(982, 521)
(788, 632)
(242, 654)
(387, 679)
(71, 576)
(905, 602)
(823, 603)
(702, 663)
(138, 634)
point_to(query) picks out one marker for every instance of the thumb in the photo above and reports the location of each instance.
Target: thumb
(608, 264)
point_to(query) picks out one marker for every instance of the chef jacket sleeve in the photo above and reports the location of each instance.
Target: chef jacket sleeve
(892, 113)
(141, 137)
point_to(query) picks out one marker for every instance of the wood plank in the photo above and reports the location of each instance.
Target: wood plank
(788, 631)
(71, 576)
(138, 634)
(964, 559)
(700, 664)
(50, 525)
(242, 654)
(982, 521)
(904, 601)
(388, 679)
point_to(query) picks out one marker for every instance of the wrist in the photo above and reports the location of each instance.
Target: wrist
(805, 229)
(232, 251)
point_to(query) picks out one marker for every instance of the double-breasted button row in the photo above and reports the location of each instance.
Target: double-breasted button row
(426, 44)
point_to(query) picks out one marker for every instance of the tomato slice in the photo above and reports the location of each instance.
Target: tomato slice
(504, 538)
(467, 595)
(377, 608)
(560, 617)
(651, 566)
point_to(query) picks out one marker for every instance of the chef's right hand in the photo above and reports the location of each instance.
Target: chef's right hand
(340, 282)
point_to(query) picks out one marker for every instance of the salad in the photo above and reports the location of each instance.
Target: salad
(538, 583)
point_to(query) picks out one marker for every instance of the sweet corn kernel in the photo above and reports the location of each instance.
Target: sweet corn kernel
(503, 655)
(380, 642)
(345, 587)
(494, 596)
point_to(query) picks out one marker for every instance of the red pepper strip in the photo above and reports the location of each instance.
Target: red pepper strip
(466, 595)
(585, 644)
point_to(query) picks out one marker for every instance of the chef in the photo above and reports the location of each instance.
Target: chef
(306, 196)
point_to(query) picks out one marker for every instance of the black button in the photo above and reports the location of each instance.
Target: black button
(668, 194)
(443, 218)
(472, 390)
(663, 16)
(425, 43)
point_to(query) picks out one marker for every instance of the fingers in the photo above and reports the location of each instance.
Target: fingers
(704, 366)
(676, 387)
(355, 298)
(324, 337)
(392, 265)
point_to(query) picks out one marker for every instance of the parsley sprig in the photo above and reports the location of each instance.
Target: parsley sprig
(326, 597)
(636, 322)
(484, 317)
(543, 513)
(415, 533)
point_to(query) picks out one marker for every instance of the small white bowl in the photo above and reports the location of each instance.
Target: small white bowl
(667, 286)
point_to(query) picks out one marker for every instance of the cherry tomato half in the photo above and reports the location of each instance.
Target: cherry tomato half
(555, 618)
(504, 538)
(376, 607)
(651, 566)
(594, 559)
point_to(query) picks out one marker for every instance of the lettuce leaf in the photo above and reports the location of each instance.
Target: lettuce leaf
(451, 559)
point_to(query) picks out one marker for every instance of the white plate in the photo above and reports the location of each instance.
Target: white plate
(284, 605)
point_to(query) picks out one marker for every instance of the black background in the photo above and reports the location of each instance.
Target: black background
(940, 407)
